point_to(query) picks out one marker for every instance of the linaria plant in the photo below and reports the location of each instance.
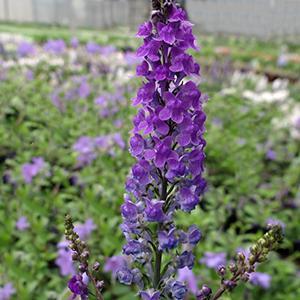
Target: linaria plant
(168, 145)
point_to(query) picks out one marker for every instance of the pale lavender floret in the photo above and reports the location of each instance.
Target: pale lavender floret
(30, 170)
(64, 259)
(213, 259)
(22, 224)
(85, 229)
(271, 154)
(7, 291)
(187, 276)
(260, 279)
(114, 264)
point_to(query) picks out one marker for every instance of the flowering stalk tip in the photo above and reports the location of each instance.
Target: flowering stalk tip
(78, 284)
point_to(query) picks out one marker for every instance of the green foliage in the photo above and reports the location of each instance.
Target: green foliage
(245, 188)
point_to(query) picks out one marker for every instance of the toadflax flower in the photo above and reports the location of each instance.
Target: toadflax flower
(7, 291)
(30, 170)
(168, 145)
(22, 224)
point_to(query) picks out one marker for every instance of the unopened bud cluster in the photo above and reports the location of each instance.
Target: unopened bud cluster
(81, 254)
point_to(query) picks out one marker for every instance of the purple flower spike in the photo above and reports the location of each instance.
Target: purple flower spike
(168, 145)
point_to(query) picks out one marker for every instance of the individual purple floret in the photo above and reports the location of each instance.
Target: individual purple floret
(30, 170)
(7, 291)
(78, 287)
(22, 224)
(168, 145)
(260, 279)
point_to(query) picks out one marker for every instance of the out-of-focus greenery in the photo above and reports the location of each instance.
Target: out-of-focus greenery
(246, 188)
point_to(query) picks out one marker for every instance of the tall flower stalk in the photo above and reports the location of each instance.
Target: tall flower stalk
(168, 145)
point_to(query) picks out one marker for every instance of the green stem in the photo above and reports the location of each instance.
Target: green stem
(158, 259)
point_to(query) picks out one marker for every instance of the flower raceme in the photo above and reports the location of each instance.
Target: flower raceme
(168, 145)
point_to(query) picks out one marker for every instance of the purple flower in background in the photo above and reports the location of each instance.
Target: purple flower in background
(271, 154)
(7, 291)
(131, 58)
(213, 259)
(93, 48)
(85, 147)
(30, 170)
(78, 287)
(84, 90)
(118, 139)
(22, 224)
(64, 259)
(74, 42)
(260, 279)
(187, 276)
(29, 75)
(25, 49)
(168, 145)
(114, 264)
(56, 47)
(84, 230)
